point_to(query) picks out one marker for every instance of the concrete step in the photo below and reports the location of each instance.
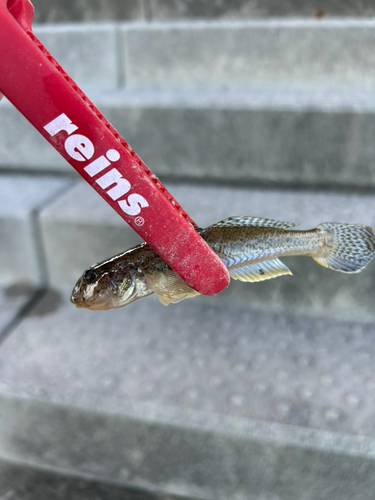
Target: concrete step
(60, 11)
(89, 53)
(240, 53)
(211, 53)
(302, 137)
(21, 199)
(20, 481)
(270, 101)
(269, 135)
(79, 229)
(203, 401)
(114, 10)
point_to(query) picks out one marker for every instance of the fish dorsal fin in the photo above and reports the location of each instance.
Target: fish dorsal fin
(260, 271)
(245, 220)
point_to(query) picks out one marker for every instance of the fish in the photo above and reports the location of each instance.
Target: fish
(250, 248)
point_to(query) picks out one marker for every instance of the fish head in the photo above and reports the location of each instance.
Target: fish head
(102, 287)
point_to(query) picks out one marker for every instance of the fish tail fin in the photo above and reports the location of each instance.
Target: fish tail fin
(349, 247)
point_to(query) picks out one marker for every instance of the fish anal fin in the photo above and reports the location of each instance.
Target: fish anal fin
(244, 220)
(259, 271)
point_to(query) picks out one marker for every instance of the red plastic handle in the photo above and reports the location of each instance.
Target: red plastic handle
(45, 94)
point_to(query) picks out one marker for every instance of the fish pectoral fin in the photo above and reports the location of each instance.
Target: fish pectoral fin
(259, 271)
(164, 300)
(167, 299)
(246, 220)
(170, 288)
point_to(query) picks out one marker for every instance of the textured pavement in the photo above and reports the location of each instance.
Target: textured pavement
(316, 373)
(208, 402)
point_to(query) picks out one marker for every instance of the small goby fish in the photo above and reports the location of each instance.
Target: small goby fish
(250, 247)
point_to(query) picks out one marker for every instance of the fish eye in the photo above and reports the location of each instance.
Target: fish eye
(90, 276)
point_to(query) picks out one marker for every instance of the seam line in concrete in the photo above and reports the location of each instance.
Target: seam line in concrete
(22, 312)
(148, 11)
(41, 263)
(252, 23)
(62, 174)
(267, 185)
(68, 473)
(73, 27)
(209, 182)
(124, 51)
(40, 253)
(120, 58)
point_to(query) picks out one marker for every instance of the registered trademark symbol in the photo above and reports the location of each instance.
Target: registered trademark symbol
(139, 221)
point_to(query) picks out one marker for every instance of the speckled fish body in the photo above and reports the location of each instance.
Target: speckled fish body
(241, 245)
(250, 247)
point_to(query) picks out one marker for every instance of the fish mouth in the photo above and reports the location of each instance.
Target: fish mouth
(75, 300)
(81, 304)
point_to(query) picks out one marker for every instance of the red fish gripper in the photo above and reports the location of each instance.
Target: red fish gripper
(45, 94)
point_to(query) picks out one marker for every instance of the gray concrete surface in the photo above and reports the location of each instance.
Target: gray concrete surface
(88, 54)
(270, 135)
(240, 9)
(20, 481)
(298, 52)
(290, 52)
(20, 199)
(209, 402)
(238, 53)
(222, 359)
(270, 101)
(12, 300)
(79, 229)
(35, 154)
(266, 135)
(63, 11)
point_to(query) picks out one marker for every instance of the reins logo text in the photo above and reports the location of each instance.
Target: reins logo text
(80, 148)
